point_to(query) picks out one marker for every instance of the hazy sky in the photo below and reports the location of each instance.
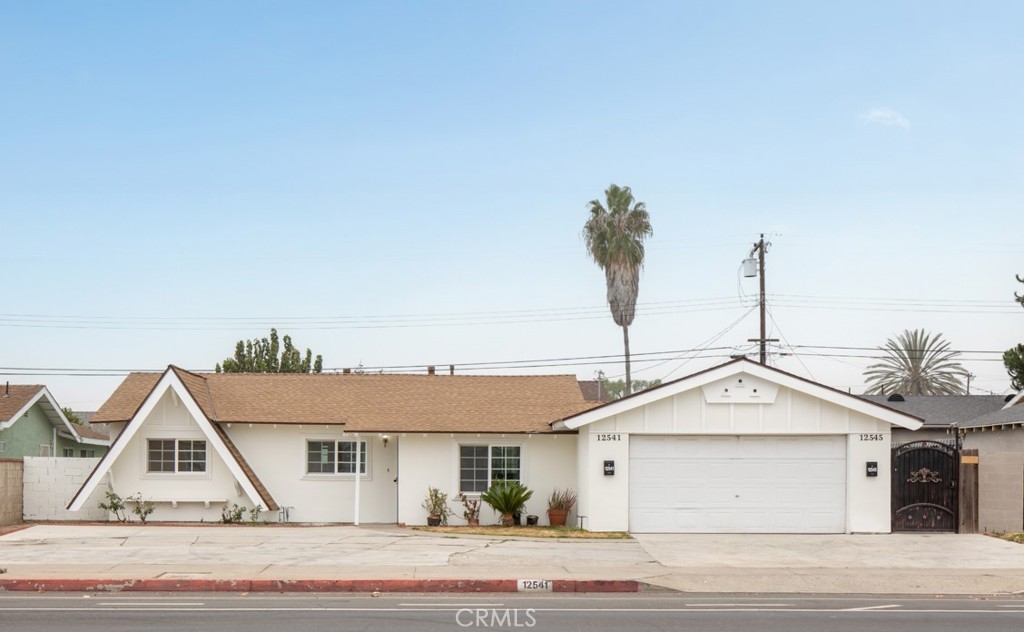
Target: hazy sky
(405, 183)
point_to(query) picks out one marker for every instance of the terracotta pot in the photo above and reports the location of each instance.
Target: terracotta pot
(473, 522)
(433, 521)
(557, 517)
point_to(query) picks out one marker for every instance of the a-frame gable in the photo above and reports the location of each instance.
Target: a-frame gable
(729, 369)
(170, 381)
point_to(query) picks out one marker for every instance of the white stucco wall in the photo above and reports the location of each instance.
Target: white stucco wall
(170, 420)
(51, 482)
(278, 456)
(775, 411)
(432, 460)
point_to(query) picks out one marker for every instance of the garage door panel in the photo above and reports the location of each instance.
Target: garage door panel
(746, 484)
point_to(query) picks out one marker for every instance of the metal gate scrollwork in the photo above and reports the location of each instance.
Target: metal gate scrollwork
(924, 486)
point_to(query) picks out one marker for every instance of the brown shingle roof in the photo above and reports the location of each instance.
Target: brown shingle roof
(127, 399)
(86, 432)
(394, 403)
(14, 397)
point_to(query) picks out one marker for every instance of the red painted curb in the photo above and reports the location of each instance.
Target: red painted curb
(310, 585)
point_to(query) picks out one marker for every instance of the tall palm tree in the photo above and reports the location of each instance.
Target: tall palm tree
(615, 240)
(917, 363)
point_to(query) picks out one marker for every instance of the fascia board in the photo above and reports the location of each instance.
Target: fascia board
(733, 368)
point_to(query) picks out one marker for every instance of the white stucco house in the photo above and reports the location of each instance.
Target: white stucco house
(737, 448)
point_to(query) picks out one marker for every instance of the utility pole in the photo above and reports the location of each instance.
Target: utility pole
(761, 248)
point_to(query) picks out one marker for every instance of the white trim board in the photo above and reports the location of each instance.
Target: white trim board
(169, 381)
(736, 367)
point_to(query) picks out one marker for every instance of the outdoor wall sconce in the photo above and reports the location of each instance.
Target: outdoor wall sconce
(385, 439)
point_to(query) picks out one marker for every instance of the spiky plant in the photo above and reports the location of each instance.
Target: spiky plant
(614, 236)
(507, 498)
(916, 363)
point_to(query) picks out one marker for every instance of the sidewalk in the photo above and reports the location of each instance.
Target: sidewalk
(386, 559)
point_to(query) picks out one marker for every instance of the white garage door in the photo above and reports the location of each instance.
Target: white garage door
(737, 484)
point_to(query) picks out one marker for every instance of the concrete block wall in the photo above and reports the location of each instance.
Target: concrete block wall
(10, 490)
(1000, 478)
(51, 482)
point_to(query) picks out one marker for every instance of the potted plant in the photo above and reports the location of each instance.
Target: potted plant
(470, 510)
(560, 504)
(436, 504)
(507, 498)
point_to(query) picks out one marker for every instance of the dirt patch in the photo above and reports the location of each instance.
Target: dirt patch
(530, 532)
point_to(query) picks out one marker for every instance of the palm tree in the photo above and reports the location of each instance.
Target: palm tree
(917, 363)
(615, 240)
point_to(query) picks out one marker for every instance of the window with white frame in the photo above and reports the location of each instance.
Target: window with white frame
(175, 456)
(482, 465)
(335, 457)
(68, 452)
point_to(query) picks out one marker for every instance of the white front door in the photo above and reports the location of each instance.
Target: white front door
(737, 484)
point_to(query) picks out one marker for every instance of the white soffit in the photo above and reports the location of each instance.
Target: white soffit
(752, 373)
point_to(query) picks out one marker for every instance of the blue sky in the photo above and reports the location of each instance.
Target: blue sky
(176, 176)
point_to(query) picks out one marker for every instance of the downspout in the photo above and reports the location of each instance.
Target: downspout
(53, 446)
(359, 454)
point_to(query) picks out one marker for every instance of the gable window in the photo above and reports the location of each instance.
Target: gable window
(175, 455)
(335, 457)
(68, 452)
(482, 465)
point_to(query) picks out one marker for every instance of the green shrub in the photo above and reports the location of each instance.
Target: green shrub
(232, 514)
(115, 506)
(507, 498)
(142, 508)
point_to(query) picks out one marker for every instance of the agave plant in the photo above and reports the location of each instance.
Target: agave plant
(507, 498)
(917, 363)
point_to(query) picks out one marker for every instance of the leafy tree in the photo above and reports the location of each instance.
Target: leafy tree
(1013, 358)
(616, 389)
(614, 236)
(917, 363)
(71, 416)
(266, 356)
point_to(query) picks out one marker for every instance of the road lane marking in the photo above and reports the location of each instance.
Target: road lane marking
(143, 603)
(739, 605)
(867, 608)
(452, 605)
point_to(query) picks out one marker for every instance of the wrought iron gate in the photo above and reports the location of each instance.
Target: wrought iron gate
(925, 486)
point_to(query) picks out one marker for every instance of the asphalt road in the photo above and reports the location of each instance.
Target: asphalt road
(157, 612)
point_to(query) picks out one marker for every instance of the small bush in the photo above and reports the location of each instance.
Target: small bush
(232, 514)
(142, 508)
(115, 505)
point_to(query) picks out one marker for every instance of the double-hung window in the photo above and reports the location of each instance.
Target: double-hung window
(335, 457)
(480, 466)
(175, 456)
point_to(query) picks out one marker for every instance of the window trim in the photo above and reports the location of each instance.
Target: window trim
(67, 452)
(468, 443)
(367, 464)
(144, 456)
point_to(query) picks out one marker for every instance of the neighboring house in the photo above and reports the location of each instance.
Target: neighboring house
(941, 413)
(32, 424)
(737, 448)
(999, 438)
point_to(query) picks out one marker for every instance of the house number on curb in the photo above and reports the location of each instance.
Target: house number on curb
(534, 585)
(609, 437)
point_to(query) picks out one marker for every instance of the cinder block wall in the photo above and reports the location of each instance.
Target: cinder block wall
(50, 484)
(10, 491)
(1000, 478)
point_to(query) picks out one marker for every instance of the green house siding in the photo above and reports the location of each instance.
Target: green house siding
(27, 434)
(33, 430)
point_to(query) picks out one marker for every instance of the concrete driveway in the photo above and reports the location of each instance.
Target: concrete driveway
(899, 563)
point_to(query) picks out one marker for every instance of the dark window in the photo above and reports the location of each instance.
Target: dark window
(174, 455)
